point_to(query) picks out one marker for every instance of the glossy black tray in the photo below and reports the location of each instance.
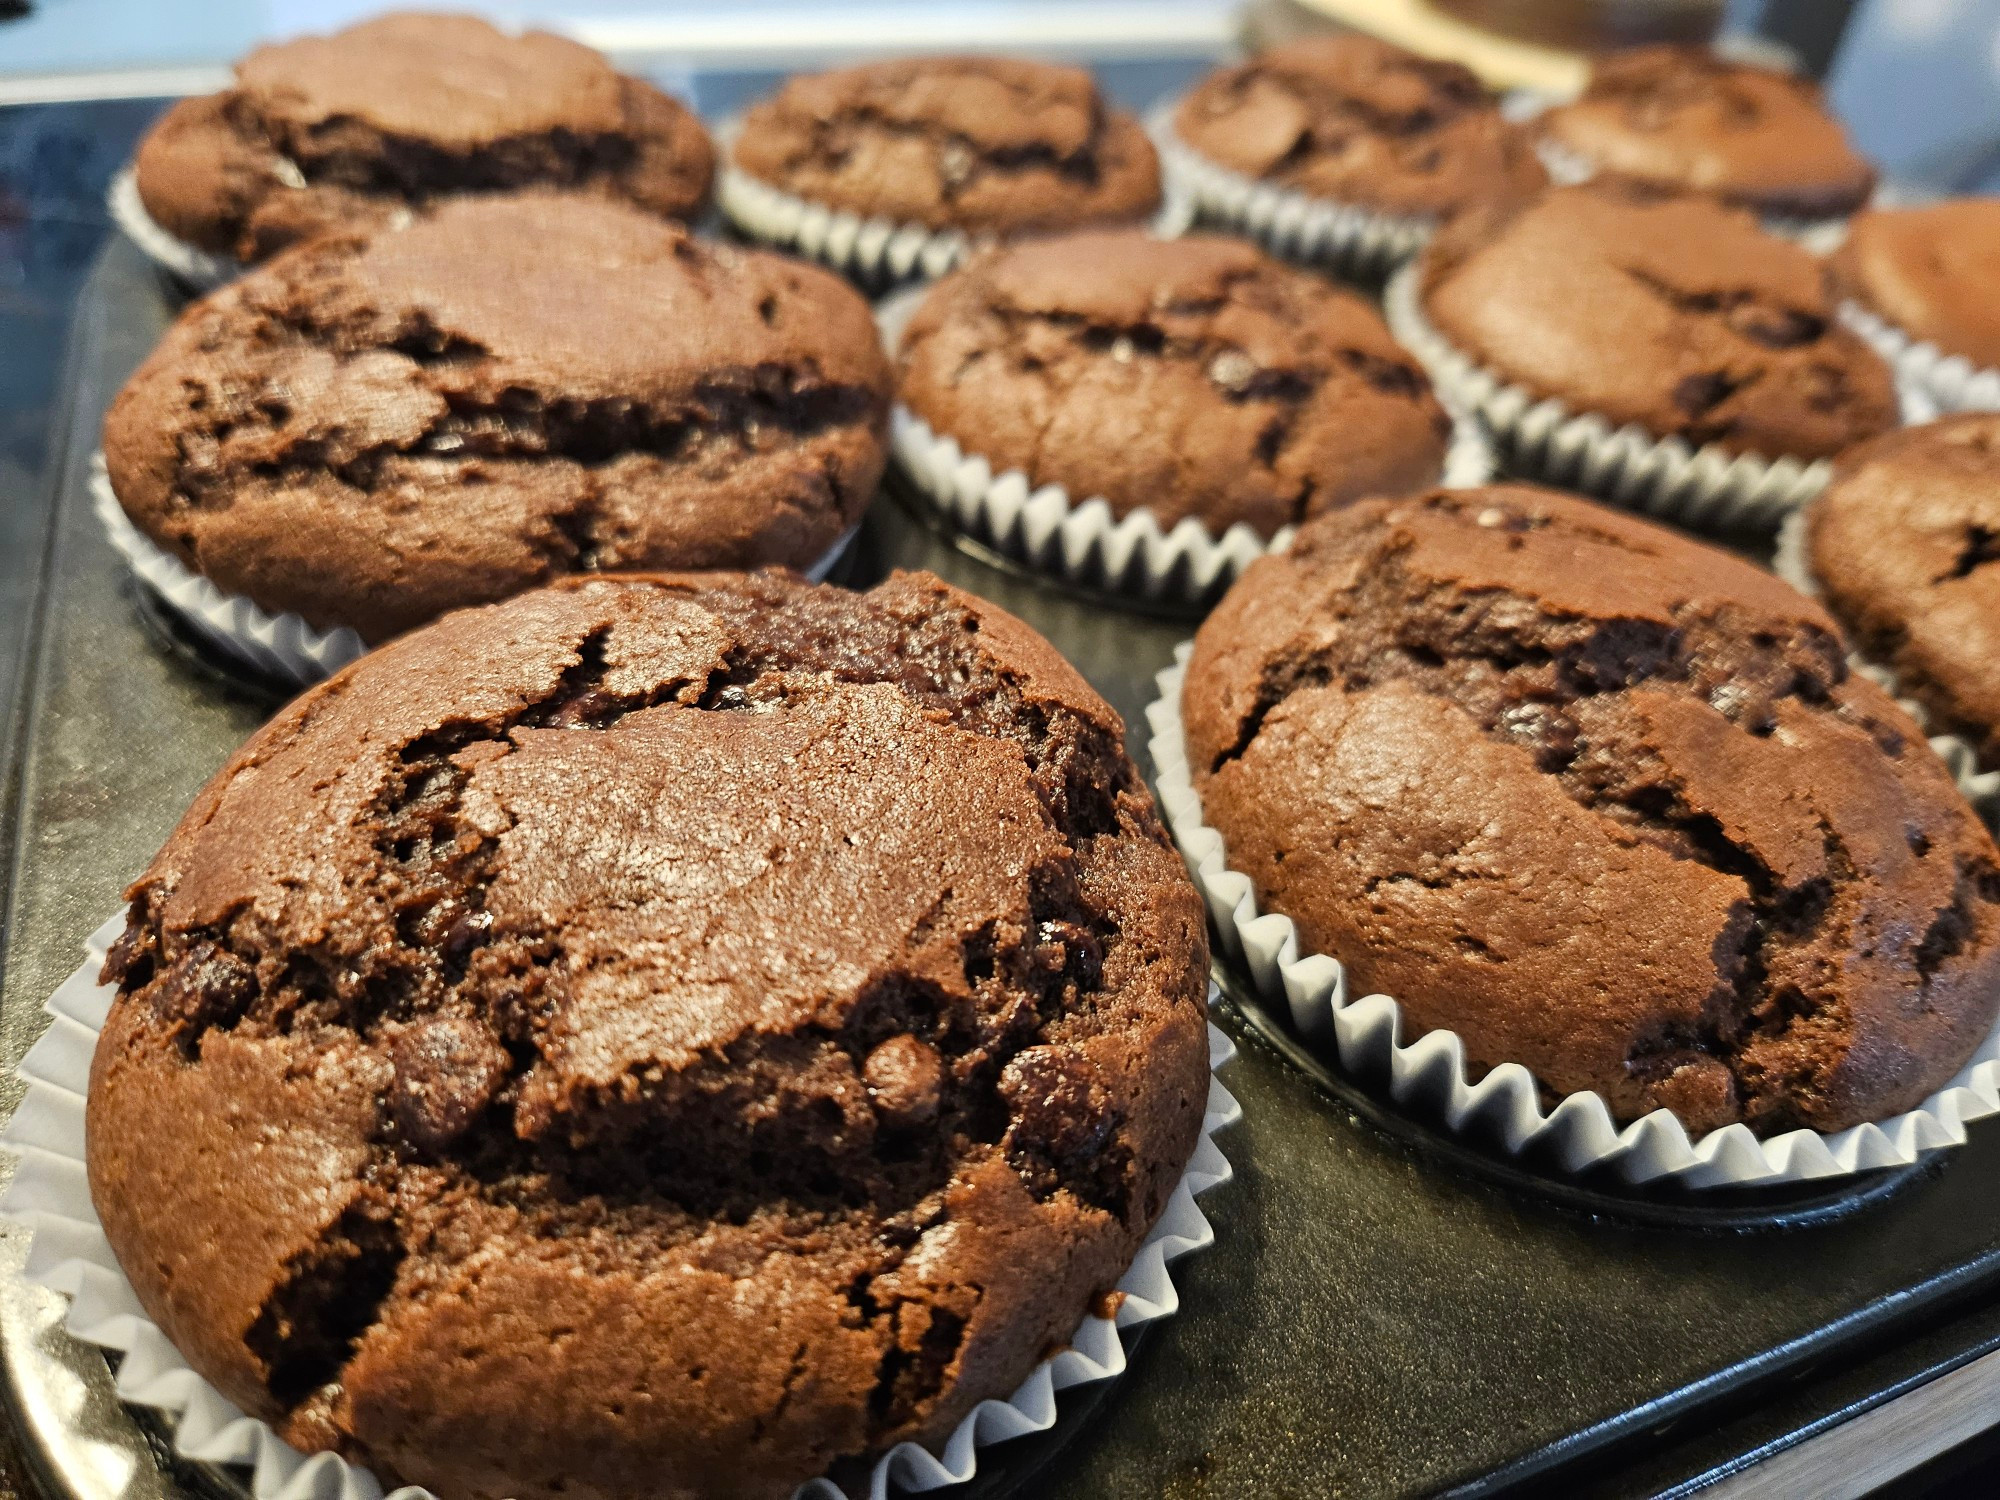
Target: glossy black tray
(1387, 1310)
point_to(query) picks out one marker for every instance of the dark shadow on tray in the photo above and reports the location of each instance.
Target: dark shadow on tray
(181, 643)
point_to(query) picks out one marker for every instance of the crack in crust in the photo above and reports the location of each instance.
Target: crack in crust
(1358, 120)
(1194, 377)
(712, 942)
(983, 144)
(367, 435)
(1629, 819)
(332, 134)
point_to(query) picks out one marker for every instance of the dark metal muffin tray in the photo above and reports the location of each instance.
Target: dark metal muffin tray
(1386, 1311)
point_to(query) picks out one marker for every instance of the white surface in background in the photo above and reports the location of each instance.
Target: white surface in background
(91, 35)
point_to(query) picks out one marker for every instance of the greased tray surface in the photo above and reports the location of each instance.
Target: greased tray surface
(1384, 1312)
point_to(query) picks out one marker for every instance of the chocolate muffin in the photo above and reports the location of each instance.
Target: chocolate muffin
(1901, 544)
(1681, 117)
(380, 426)
(990, 145)
(1192, 377)
(1677, 314)
(339, 132)
(653, 1037)
(1929, 271)
(1603, 801)
(1359, 121)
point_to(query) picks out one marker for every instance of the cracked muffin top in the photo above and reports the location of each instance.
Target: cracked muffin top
(1677, 314)
(1603, 801)
(1355, 119)
(990, 145)
(378, 427)
(653, 1037)
(331, 133)
(1191, 377)
(1930, 271)
(1681, 117)
(1902, 544)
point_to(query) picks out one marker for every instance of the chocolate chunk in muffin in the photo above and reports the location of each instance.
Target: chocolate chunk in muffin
(1193, 377)
(332, 133)
(1603, 801)
(990, 145)
(653, 1037)
(1930, 271)
(1681, 117)
(1903, 544)
(1360, 121)
(1675, 313)
(378, 427)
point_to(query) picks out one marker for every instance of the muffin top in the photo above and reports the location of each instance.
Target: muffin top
(1930, 271)
(380, 426)
(1355, 119)
(1677, 314)
(653, 1037)
(328, 133)
(1602, 800)
(1901, 544)
(1191, 377)
(1681, 117)
(985, 144)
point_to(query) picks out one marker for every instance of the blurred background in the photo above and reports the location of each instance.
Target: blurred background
(1915, 80)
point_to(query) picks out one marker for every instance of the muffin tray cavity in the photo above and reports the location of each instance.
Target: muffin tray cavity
(1388, 1308)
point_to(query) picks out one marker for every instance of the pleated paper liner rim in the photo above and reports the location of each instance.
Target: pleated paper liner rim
(1706, 487)
(1428, 1076)
(1351, 239)
(1949, 382)
(50, 1197)
(1086, 545)
(876, 252)
(194, 268)
(282, 646)
(1979, 787)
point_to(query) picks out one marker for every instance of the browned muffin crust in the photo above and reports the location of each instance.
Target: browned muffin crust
(987, 144)
(1355, 119)
(1681, 117)
(1930, 271)
(1902, 544)
(1676, 313)
(334, 133)
(1603, 801)
(652, 1038)
(1192, 377)
(376, 428)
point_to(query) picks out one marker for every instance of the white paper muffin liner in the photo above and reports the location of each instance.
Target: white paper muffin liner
(1949, 382)
(1085, 543)
(875, 252)
(1627, 465)
(194, 268)
(50, 1197)
(1362, 244)
(1980, 788)
(283, 646)
(1427, 1075)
